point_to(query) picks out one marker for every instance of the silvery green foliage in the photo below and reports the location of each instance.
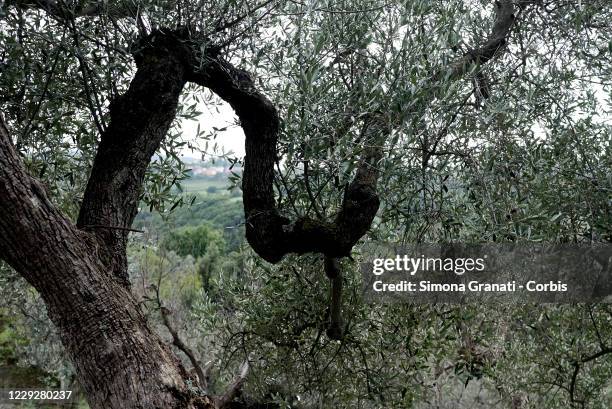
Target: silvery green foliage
(398, 355)
(28, 337)
(529, 162)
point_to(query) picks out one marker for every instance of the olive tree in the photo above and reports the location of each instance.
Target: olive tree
(340, 98)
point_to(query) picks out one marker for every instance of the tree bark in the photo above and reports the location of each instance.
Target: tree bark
(139, 120)
(120, 361)
(81, 270)
(268, 232)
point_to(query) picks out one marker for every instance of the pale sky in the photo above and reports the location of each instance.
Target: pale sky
(231, 140)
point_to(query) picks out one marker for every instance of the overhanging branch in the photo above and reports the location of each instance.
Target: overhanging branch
(504, 21)
(270, 234)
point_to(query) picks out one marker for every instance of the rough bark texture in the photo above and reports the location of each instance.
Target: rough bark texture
(81, 270)
(139, 120)
(120, 362)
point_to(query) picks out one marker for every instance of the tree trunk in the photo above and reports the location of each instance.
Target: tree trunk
(120, 362)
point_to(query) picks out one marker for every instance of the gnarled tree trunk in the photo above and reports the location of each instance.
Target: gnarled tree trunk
(80, 269)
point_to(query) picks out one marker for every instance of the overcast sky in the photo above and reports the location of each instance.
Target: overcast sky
(231, 140)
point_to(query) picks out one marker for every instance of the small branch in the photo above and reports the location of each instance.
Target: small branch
(177, 341)
(224, 26)
(596, 355)
(578, 366)
(599, 338)
(311, 197)
(90, 94)
(335, 330)
(241, 33)
(43, 95)
(234, 388)
(572, 387)
(498, 38)
(99, 226)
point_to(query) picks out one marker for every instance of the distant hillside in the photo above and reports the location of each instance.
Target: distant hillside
(221, 209)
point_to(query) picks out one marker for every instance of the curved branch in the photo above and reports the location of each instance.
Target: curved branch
(234, 388)
(578, 365)
(504, 21)
(139, 120)
(270, 234)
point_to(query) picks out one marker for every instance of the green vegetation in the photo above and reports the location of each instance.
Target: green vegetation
(196, 241)
(204, 185)
(220, 210)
